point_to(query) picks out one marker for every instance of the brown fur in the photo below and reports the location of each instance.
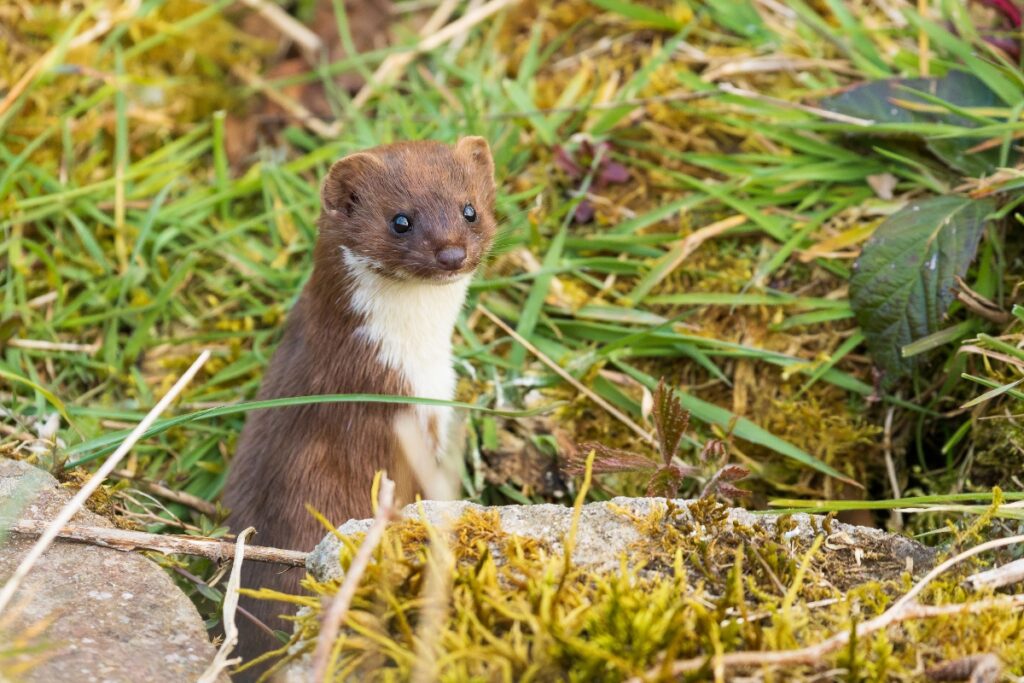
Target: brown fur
(326, 455)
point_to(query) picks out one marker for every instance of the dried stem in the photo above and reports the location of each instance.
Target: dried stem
(682, 249)
(42, 345)
(890, 467)
(184, 573)
(338, 608)
(309, 42)
(294, 108)
(436, 597)
(76, 503)
(392, 64)
(220, 660)
(730, 89)
(438, 481)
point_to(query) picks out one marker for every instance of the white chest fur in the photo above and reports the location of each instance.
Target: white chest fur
(412, 322)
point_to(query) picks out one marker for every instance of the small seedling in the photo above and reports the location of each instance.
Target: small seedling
(671, 421)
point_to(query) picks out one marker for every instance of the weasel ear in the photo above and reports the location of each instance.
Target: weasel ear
(475, 151)
(340, 191)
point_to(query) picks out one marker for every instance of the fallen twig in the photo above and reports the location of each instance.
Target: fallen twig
(125, 540)
(338, 607)
(75, 504)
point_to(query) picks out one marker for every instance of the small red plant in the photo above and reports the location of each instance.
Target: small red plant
(671, 421)
(575, 164)
(1005, 34)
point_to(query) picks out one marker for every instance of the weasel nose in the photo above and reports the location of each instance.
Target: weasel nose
(451, 258)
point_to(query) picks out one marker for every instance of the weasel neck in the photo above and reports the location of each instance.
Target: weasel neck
(410, 322)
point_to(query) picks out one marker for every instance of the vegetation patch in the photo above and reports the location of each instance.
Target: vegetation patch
(698, 582)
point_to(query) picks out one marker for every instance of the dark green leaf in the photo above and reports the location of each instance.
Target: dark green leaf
(881, 101)
(902, 283)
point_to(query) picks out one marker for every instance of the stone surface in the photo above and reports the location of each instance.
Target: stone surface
(114, 616)
(605, 533)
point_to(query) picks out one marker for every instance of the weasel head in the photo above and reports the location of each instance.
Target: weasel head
(420, 211)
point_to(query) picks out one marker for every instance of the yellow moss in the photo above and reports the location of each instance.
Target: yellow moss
(693, 585)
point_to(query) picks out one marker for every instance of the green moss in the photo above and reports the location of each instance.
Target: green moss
(693, 586)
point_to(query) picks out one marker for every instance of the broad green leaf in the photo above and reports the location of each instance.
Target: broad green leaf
(902, 284)
(926, 100)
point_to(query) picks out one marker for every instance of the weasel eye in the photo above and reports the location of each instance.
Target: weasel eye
(469, 213)
(401, 224)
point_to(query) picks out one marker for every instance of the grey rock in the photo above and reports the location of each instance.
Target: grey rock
(114, 616)
(605, 533)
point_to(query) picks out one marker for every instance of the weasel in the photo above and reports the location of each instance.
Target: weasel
(402, 229)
